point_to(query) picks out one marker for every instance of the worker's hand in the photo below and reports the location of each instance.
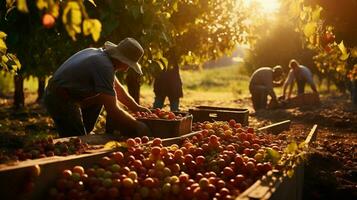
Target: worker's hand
(141, 129)
(143, 109)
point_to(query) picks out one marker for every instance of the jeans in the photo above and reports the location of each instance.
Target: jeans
(69, 118)
(174, 102)
(259, 97)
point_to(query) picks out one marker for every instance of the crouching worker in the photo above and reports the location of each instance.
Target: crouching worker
(261, 85)
(86, 82)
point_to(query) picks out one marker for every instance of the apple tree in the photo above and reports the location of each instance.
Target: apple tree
(174, 33)
(40, 33)
(326, 27)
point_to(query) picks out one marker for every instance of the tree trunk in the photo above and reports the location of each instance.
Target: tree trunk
(41, 88)
(19, 98)
(354, 92)
(133, 84)
(328, 84)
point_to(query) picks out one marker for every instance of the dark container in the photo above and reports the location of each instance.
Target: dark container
(165, 128)
(209, 113)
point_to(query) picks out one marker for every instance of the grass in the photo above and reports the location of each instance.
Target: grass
(7, 83)
(207, 85)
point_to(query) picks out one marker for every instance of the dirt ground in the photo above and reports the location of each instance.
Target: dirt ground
(331, 172)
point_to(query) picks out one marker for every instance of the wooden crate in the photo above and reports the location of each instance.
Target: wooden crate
(15, 176)
(13, 179)
(165, 128)
(209, 113)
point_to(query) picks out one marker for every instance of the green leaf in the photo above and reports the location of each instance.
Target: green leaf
(295, 8)
(4, 59)
(10, 3)
(273, 155)
(3, 47)
(16, 63)
(343, 50)
(54, 10)
(114, 145)
(175, 6)
(316, 13)
(342, 47)
(302, 145)
(72, 18)
(310, 29)
(92, 2)
(160, 64)
(93, 27)
(164, 61)
(290, 173)
(41, 4)
(354, 52)
(2, 35)
(291, 148)
(9, 62)
(22, 6)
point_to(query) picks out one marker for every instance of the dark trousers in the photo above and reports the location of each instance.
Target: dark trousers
(259, 97)
(69, 118)
(300, 86)
(174, 102)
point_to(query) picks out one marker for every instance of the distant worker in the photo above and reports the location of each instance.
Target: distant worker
(168, 84)
(261, 84)
(86, 82)
(301, 75)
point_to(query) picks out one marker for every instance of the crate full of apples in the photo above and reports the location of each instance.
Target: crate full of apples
(166, 124)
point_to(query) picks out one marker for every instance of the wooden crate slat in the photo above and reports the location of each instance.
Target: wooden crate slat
(282, 187)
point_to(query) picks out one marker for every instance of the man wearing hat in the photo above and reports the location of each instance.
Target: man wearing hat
(86, 82)
(261, 85)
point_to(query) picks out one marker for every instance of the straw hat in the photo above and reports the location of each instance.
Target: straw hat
(128, 51)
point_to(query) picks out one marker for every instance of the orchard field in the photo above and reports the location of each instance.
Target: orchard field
(215, 45)
(331, 171)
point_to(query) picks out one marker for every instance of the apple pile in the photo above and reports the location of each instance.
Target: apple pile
(157, 114)
(220, 162)
(47, 148)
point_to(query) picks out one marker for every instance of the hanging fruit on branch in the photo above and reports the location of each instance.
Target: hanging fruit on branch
(328, 37)
(48, 21)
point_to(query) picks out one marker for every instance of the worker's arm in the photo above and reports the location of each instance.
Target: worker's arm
(312, 84)
(313, 87)
(290, 89)
(288, 82)
(269, 86)
(123, 121)
(278, 83)
(124, 97)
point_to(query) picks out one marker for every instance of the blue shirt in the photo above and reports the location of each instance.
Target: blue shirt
(86, 73)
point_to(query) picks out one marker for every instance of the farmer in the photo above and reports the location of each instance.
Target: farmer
(261, 85)
(168, 84)
(301, 75)
(86, 82)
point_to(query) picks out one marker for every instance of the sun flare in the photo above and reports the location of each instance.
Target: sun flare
(267, 6)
